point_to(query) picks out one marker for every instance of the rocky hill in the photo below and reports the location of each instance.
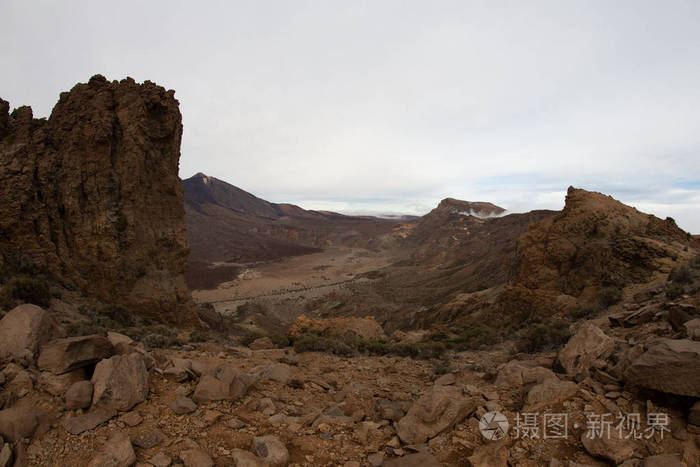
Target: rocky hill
(91, 197)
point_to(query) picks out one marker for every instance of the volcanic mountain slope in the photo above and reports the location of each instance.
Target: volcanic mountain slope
(465, 268)
(228, 225)
(91, 197)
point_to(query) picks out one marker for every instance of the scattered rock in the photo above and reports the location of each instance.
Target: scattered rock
(148, 439)
(88, 421)
(376, 459)
(243, 458)
(551, 391)
(131, 419)
(262, 343)
(446, 379)
(182, 405)
(21, 385)
(439, 408)
(116, 452)
(671, 366)
(419, 459)
(614, 448)
(271, 449)
(664, 460)
(196, 458)
(490, 455)
(160, 460)
(64, 355)
(588, 345)
(57, 385)
(24, 328)
(515, 374)
(226, 382)
(694, 414)
(180, 369)
(692, 329)
(17, 423)
(79, 395)
(120, 382)
(280, 372)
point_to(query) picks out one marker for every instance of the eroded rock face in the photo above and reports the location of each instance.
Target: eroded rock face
(92, 195)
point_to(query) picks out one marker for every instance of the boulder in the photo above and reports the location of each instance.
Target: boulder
(243, 458)
(262, 343)
(79, 395)
(120, 382)
(160, 460)
(614, 448)
(196, 458)
(116, 339)
(671, 366)
(516, 374)
(551, 391)
(88, 421)
(588, 345)
(116, 452)
(57, 385)
(148, 439)
(24, 329)
(21, 384)
(490, 455)
(692, 329)
(182, 405)
(17, 423)
(366, 328)
(5, 455)
(271, 449)
(694, 414)
(280, 372)
(223, 383)
(64, 355)
(438, 409)
(180, 370)
(664, 460)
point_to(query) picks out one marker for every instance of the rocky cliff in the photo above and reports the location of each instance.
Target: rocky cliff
(92, 197)
(597, 241)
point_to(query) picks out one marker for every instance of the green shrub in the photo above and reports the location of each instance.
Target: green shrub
(118, 314)
(26, 289)
(543, 337)
(674, 290)
(610, 295)
(584, 311)
(476, 337)
(682, 275)
(199, 335)
(348, 346)
(250, 337)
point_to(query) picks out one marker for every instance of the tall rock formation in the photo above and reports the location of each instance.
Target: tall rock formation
(92, 195)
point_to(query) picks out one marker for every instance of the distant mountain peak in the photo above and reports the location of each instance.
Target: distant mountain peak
(471, 208)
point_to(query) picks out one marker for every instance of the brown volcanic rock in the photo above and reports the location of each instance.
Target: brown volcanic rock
(92, 195)
(24, 329)
(672, 365)
(595, 241)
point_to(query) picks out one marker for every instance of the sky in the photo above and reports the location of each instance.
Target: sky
(389, 106)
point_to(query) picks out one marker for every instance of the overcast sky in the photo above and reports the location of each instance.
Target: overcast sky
(389, 106)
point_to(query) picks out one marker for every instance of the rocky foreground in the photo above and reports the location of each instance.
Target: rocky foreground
(108, 400)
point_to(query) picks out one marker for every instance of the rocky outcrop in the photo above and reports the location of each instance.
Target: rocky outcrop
(595, 241)
(366, 328)
(588, 345)
(92, 196)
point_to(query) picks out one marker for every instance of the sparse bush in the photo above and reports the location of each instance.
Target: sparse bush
(348, 346)
(681, 275)
(543, 337)
(584, 311)
(695, 262)
(199, 335)
(250, 337)
(155, 336)
(674, 290)
(118, 314)
(26, 289)
(280, 340)
(610, 295)
(476, 337)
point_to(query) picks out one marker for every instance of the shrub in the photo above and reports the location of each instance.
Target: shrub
(543, 337)
(118, 314)
(250, 337)
(681, 275)
(584, 311)
(26, 289)
(674, 290)
(349, 345)
(610, 295)
(199, 335)
(476, 337)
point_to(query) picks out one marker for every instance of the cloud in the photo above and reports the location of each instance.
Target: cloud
(393, 105)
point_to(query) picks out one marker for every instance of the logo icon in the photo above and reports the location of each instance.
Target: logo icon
(493, 426)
